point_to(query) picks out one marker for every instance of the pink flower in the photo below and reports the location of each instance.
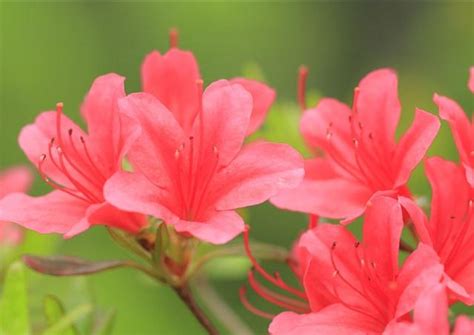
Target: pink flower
(172, 79)
(196, 179)
(360, 155)
(357, 287)
(450, 230)
(461, 127)
(16, 179)
(431, 316)
(77, 165)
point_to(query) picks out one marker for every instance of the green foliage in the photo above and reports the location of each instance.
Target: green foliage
(14, 318)
(54, 312)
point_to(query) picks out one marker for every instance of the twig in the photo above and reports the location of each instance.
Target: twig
(186, 296)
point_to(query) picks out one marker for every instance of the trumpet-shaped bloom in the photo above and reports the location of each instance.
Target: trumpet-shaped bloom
(77, 165)
(430, 316)
(16, 179)
(461, 128)
(450, 230)
(357, 287)
(360, 155)
(195, 179)
(172, 79)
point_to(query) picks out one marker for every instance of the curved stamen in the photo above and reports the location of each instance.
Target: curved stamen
(54, 184)
(89, 158)
(276, 298)
(250, 307)
(275, 281)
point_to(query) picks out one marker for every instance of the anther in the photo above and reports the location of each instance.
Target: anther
(333, 246)
(356, 244)
(69, 131)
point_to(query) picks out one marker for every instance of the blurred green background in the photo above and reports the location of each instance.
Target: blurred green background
(51, 52)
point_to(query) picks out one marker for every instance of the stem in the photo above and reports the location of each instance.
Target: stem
(186, 296)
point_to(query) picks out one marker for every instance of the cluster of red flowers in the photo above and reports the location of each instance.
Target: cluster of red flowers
(191, 168)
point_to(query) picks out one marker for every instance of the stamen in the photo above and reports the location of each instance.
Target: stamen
(275, 281)
(54, 184)
(275, 298)
(173, 37)
(302, 76)
(91, 162)
(203, 190)
(250, 307)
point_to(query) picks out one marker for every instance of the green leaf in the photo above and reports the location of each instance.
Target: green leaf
(54, 312)
(69, 266)
(14, 304)
(68, 320)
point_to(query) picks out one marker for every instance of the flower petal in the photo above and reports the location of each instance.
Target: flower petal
(258, 172)
(100, 110)
(133, 192)
(335, 320)
(220, 228)
(55, 212)
(172, 79)
(460, 126)
(382, 231)
(420, 270)
(326, 243)
(153, 153)
(15, 179)
(330, 198)
(378, 106)
(431, 311)
(327, 127)
(419, 219)
(464, 326)
(109, 215)
(446, 179)
(413, 145)
(262, 96)
(224, 120)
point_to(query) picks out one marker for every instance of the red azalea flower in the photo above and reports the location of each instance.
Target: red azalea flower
(354, 287)
(450, 230)
(430, 316)
(196, 180)
(16, 179)
(76, 164)
(461, 127)
(172, 79)
(361, 157)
